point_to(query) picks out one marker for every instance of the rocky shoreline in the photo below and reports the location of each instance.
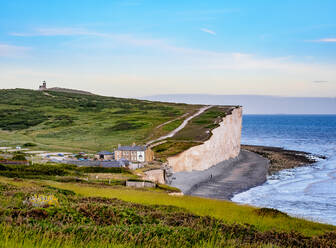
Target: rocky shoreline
(281, 159)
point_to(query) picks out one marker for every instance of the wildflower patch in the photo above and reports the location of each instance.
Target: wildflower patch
(42, 200)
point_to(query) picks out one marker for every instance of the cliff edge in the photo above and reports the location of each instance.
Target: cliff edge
(224, 144)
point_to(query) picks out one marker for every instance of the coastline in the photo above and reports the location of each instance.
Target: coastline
(234, 176)
(282, 159)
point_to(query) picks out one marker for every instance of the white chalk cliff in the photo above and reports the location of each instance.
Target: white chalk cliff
(222, 145)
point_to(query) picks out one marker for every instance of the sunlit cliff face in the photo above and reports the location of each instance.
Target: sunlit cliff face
(223, 145)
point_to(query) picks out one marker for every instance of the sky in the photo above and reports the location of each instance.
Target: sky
(135, 48)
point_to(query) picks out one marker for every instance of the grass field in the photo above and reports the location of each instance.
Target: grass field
(76, 122)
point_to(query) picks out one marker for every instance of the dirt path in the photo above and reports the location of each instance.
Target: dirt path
(184, 123)
(225, 179)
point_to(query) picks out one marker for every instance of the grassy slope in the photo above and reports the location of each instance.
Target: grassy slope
(73, 122)
(188, 222)
(228, 211)
(144, 216)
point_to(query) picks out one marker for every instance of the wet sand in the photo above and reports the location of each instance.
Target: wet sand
(225, 179)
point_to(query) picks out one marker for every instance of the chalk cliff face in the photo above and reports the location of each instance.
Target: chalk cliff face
(222, 145)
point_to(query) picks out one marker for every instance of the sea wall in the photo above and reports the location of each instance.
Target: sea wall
(222, 145)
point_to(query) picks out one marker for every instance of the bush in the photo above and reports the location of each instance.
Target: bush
(168, 188)
(104, 170)
(33, 171)
(18, 157)
(17, 119)
(125, 125)
(29, 144)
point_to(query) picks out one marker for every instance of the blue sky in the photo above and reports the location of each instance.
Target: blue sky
(138, 47)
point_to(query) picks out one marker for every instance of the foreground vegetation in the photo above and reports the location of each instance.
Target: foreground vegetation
(54, 120)
(100, 214)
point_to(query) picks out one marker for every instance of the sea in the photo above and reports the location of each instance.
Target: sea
(307, 192)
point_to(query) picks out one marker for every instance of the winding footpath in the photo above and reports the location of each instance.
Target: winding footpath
(179, 128)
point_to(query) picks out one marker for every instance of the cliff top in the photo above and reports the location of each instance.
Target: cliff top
(73, 121)
(198, 130)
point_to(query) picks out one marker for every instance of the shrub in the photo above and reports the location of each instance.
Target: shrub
(19, 157)
(16, 119)
(29, 144)
(269, 212)
(97, 169)
(168, 188)
(125, 125)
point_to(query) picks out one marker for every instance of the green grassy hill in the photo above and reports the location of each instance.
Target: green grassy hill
(74, 122)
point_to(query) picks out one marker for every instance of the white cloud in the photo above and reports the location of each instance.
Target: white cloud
(54, 32)
(326, 40)
(167, 67)
(7, 50)
(320, 81)
(208, 31)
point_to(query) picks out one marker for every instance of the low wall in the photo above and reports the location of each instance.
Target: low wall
(140, 184)
(222, 145)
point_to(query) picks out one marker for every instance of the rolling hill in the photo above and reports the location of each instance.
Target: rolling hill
(67, 121)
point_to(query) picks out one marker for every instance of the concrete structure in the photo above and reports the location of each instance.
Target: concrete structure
(104, 155)
(156, 175)
(137, 184)
(43, 86)
(222, 145)
(134, 153)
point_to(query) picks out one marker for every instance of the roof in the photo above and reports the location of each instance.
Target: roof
(113, 163)
(132, 148)
(105, 153)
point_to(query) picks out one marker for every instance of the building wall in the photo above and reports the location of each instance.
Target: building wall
(149, 154)
(117, 155)
(134, 156)
(222, 145)
(141, 156)
(106, 157)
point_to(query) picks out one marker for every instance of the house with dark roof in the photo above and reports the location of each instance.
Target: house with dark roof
(104, 155)
(134, 153)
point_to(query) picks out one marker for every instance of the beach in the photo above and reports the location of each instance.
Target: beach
(225, 179)
(234, 176)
